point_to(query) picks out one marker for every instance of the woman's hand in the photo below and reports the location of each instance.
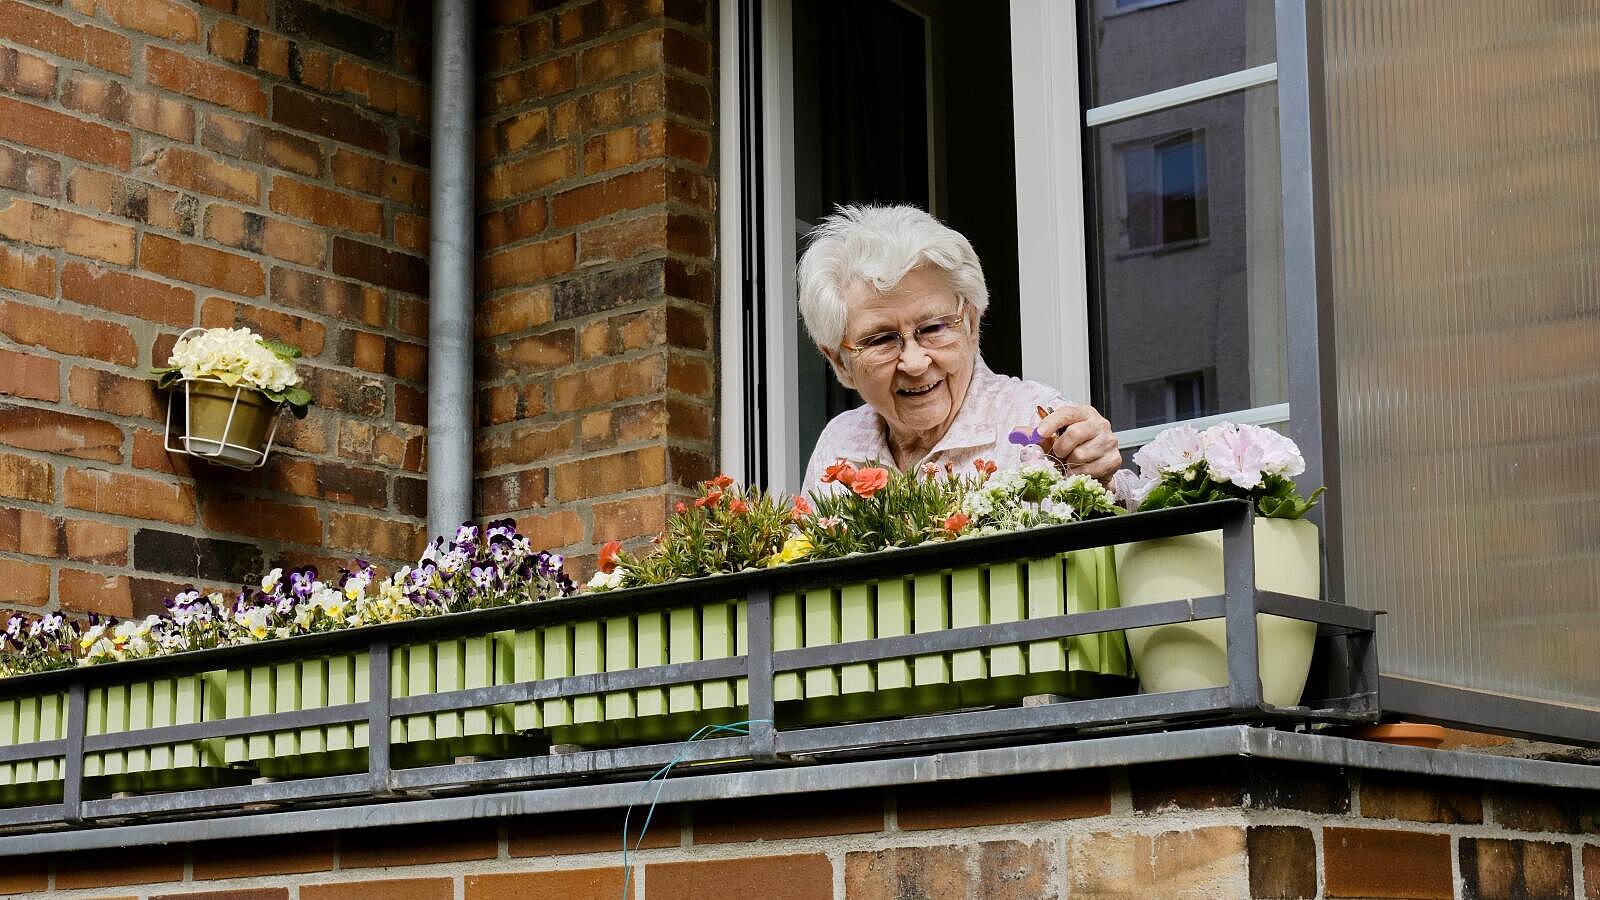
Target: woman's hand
(1082, 439)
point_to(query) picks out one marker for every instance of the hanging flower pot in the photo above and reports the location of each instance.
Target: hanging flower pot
(234, 383)
(1244, 462)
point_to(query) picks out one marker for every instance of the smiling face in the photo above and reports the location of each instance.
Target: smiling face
(920, 393)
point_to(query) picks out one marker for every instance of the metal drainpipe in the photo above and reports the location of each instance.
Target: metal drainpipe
(450, 270)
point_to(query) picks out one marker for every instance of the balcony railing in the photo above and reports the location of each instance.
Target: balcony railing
(411, 709)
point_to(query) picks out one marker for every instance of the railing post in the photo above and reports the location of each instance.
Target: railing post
(1239, 592)
(72, 776)
(378, 716)
(760, 675)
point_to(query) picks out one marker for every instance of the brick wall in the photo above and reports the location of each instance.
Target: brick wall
(1231, 828)
(595, 379)
(165, 164)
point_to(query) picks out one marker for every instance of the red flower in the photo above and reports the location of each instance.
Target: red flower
(954, 522)
(841, 471)
(721, 482)
(801, 509)
(985, 467)
(869, 481)
(710, 499)
(738, 506)
(679, 507)
(608, 556)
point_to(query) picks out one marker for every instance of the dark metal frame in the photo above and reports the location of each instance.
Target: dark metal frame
(767, 744)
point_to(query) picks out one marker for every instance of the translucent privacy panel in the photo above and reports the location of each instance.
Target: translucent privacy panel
(1464, 162)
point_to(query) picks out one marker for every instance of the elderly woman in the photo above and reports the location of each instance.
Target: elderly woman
(893, 298)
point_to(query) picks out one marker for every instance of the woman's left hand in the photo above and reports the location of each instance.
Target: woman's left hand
(1085, 441)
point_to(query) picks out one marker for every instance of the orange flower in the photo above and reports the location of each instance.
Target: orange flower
(679, 507)
(721, 482)
(710, 499)
(954, 522)
(841, 471)
(608, 556)
(869, 481)
(801, 509)
(738, 506)
(984, 466)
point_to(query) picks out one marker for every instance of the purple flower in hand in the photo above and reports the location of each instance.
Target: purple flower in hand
(1024, 436)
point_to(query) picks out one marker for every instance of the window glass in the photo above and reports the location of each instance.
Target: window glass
(1186, 262)
(1137, 47)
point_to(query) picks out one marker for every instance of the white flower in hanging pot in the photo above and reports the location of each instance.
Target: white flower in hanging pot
(234, 383)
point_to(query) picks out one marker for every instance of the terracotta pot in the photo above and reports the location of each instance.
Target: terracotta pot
(1193, 654)
(210, 403)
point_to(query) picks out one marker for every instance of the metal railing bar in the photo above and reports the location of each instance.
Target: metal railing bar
(34, 750)
(760, 681)
(1072, 713)
(378, 717)
(221, 728)
(571, 685)
(1238, 586)
(589, 762)
(1023, 631)
(1338, 615)
(44, 814)
(72, 765)
(328, 787)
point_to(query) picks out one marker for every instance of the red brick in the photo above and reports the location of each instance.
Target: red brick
(1505, 868)
(96, 542)
(547, 531)
(346, 300)
(26, 873)
(25, 478)
(526, 129)
(544, 79)
(535, 353)
(1591, 872)
(326, 207)
(367, 443)
(267, 856)
(513, 312)
(28, 532)
(201, 265)
(328, 118)
(638, 517)
(566, 834)
(26, 74)
(1365, 862)
(158, 18)
(119, 867)
(1003, 801)
(329, 481)
(198, 172)
(68, 334)
(130, 199)
(260, 518)
(511, 223)
(306, 334)
(231, 894)
(610, 383)
(411, 233)
(249, 142)
(527, 264)
(688, 328)
(259, 234)
(381, 91)
(115, 394)
(790, 818)
(371, 175)
(614, 474)
(632, 190)
(392, 889)
(95, 592)
(134, 496)
(1419, 800)
(51, 33)
(27, 272)
(799, 877)
(606, 428)
(47, 226)
(383, 538)
(410, 846)
(31, 173)
(24, 583)
(29, 375)
(528, 174)
(57, 432)
(377, 265)
(120, 292)
(620, 57)
(204, 81)
(560, 883)
(501, 494)
(116, 102)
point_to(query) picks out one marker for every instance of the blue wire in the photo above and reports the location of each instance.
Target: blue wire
(660, 777)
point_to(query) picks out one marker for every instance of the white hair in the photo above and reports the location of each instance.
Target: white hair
(878, 245)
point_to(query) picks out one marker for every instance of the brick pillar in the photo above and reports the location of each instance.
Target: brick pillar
(238, 162)
(595, 375)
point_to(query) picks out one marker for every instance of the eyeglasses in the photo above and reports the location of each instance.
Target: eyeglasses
(886, 346)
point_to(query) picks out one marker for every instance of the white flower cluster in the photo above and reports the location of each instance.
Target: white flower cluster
(1241, 455)
(1033, 494)
(233, 355)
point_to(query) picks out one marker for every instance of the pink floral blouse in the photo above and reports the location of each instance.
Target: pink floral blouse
(995, 404)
